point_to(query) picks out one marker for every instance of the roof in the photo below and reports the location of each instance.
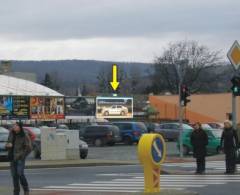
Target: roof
(19, 87)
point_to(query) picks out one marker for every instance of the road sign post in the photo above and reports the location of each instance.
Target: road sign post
(151, 152)
(234, 57)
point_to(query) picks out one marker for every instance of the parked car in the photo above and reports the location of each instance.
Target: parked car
(3, 140)
(131, 132)
(214, 139)
(35, 135)
(170, 131)
(216, 125)
(83, 146)
(151, 126)
(115, 110)
(101, 135)
(62, 126)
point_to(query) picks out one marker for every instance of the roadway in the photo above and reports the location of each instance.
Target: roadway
(122, 179)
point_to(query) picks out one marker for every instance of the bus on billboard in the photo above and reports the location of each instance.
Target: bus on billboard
(114, 107)
(47, 108)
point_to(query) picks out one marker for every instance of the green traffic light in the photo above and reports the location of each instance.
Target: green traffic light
(235, 89)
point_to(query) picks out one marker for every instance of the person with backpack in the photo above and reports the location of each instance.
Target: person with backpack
(229, 144)
(19, 146)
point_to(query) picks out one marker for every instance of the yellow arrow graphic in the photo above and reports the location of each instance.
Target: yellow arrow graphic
(114, 82)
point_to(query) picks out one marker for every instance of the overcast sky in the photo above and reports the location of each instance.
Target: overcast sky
(126, 30)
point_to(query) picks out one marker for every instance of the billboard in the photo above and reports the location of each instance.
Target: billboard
(6, 107)
(80, 106)
(20, 109)
(47, 108)
(14, 107)
(114, 107)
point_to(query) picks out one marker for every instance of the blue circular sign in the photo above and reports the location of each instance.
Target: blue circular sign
(157, 150)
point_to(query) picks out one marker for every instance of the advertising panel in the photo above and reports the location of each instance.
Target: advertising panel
(80, 106)
(20, 107)
(6, 107)
(114, 107)
(47, 107)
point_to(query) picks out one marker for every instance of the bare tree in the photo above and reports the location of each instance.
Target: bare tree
(104, 78)
(195, 60)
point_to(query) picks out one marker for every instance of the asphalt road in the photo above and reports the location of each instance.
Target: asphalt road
(116, 180)
(123, 152)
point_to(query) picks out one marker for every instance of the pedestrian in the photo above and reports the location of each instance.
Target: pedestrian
(19, 146)
(199, 141)
(229, 143)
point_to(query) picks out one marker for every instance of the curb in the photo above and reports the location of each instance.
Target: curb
(63, 165)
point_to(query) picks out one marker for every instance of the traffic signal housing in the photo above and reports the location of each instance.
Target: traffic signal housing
(185, 93)
(235, 85)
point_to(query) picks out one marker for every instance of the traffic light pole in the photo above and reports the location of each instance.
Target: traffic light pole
(180, 109)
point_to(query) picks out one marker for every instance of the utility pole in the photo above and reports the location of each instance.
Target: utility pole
(181, 73)
(180, 107)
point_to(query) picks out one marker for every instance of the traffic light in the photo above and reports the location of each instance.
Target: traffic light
(185, 93)
(235, 85)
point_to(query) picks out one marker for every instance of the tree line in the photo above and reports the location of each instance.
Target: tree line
(204, 71)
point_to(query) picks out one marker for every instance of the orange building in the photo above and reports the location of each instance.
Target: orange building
(202, 108)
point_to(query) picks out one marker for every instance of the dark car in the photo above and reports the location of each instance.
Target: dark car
(131, 132)
(3, 140)
(171, 131)
(101, 135)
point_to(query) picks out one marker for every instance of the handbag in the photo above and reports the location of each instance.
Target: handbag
(237, 155)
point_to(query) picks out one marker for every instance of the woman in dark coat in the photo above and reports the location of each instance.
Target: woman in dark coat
(229, 143)
(199, 141)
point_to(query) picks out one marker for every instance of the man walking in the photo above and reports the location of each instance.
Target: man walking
(19, 146)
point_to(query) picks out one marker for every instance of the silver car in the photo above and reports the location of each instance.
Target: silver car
(3, 140)
(170, 131)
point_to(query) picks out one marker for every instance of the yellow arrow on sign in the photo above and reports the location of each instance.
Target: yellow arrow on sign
(114, 82)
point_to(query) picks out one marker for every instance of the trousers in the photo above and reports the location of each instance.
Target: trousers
(17, 172)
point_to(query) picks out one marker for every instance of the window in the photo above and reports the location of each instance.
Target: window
(124, 126)
(141, 127)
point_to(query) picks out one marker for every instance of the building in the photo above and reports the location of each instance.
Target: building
(22, 99)
(6, 69)
(202, 108)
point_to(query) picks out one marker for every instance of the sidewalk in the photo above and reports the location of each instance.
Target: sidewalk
(31, 164)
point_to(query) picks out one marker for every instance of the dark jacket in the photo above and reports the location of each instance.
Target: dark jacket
(199, 141)
(21, 146)
(229, 139)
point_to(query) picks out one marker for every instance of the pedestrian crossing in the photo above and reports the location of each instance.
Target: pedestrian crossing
(134, 182)
(218, 166)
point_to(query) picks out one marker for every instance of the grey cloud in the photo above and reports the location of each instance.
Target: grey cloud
(77, 19)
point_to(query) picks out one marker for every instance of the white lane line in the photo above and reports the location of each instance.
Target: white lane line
(85, 190)
(141, 183)
(98, 190)
(120, 187)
